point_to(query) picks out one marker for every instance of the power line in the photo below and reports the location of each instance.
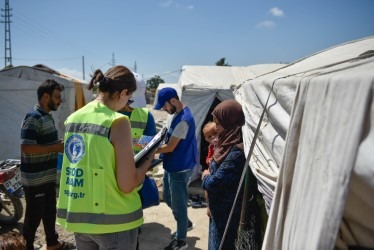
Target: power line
(24, 24)
(171, 72)
(164, 74)
(46, 59)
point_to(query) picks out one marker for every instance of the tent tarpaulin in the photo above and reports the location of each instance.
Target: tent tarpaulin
(312, 158)
(200, 86)
(18, 95)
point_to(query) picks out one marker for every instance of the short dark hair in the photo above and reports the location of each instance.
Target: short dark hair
(48, 87)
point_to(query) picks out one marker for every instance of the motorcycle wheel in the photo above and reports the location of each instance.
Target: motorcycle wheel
(11, 209)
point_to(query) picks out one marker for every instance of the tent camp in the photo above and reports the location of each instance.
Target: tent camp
(314, 155)
(18, 86)
(203, 87)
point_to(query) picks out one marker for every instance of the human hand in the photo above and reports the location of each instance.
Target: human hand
(208, 212)
(206, 172)
(148, 160)
(59, 146)
(152, 155)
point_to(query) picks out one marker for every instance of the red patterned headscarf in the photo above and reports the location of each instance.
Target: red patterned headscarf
(230, 115)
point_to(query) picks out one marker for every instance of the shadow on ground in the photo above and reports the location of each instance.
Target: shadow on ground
(155, 236)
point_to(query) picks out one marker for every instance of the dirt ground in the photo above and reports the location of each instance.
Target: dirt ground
(159, 224)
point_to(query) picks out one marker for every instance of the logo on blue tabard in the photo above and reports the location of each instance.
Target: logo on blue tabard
(74, 148)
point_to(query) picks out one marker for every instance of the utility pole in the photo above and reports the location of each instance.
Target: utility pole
(113, 60)
(135, 67)
(8, 47)
(83, 66)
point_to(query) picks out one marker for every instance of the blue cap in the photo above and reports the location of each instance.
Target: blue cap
(164, 95)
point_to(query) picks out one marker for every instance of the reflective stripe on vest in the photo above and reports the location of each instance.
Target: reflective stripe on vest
(91, 218)
(87, 128)
(139, 119)
(138, 125)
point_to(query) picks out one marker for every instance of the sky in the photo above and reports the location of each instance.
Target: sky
(159, 37)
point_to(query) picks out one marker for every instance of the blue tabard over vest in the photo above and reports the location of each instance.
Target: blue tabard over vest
(184, 155)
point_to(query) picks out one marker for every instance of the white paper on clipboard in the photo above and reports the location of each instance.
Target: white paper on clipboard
(153, 144)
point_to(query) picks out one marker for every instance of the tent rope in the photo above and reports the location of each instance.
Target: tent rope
(247, 163)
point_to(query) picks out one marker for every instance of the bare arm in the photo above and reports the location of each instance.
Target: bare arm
(170, 146)
(128, 176)
(42, 149)
(178, 134)
(34, 125)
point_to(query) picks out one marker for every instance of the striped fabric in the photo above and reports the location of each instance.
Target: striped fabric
(38, 128)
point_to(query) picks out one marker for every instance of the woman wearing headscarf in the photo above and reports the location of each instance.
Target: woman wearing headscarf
(222, 179)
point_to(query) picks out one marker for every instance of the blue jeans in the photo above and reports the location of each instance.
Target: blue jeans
(176, 197)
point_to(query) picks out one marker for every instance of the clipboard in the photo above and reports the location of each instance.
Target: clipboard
(154, 163)
(151, 146)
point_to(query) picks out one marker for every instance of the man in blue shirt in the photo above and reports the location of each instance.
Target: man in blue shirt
(179, 155)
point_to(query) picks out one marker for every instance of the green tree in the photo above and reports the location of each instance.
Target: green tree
(154, 82)
(222, 62)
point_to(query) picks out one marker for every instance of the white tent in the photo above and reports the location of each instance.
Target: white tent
(203, 87)
(314, 157)
(18, 95)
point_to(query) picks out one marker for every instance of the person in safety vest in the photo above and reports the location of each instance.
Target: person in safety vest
(142, 121)
(98, 197)
(179, 155)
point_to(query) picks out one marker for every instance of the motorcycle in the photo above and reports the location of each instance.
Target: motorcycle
(11, 192)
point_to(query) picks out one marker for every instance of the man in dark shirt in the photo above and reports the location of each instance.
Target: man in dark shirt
(39, 148)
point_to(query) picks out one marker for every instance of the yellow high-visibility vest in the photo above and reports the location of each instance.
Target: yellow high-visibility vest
(138, 119)
(89, 198)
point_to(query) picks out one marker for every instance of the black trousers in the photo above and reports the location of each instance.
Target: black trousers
(40, 206)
